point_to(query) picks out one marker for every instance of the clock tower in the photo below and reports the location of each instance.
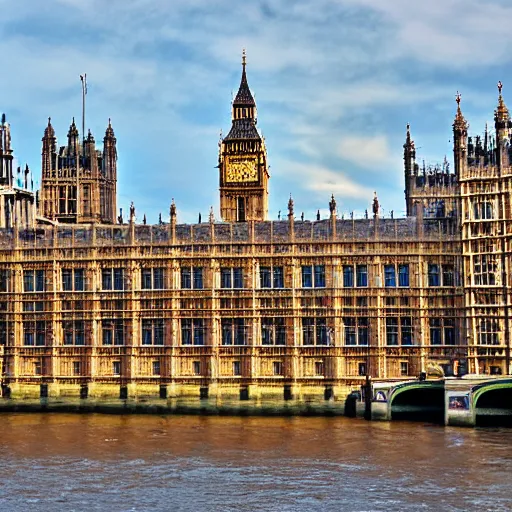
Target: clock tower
(243, 168)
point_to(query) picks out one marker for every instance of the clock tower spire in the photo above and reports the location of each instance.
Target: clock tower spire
(243, 168)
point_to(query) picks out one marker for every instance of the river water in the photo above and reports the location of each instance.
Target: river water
(65, 462)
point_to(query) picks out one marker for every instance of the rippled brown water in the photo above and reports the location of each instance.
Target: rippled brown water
(66, 462)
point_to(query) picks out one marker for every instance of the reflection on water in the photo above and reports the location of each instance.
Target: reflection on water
(133, 463)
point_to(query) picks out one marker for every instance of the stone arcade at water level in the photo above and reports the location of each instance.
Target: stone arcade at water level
(249, 307)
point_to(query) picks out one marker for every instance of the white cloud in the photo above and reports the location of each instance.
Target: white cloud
(454, 33)
(367, 152)
(320, 69)
(322, 181)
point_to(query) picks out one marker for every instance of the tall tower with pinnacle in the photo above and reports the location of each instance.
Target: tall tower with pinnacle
(243, 167)
(82, 164)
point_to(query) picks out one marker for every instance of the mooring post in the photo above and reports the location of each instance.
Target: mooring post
(368, 398)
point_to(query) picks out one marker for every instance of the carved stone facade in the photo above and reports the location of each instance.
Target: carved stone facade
(265, 306)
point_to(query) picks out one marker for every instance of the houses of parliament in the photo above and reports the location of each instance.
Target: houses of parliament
(94, 305)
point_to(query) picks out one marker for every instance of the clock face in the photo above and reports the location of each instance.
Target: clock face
(242, 171)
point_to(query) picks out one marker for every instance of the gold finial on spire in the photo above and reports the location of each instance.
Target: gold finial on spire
(501, 113)
(460, 122)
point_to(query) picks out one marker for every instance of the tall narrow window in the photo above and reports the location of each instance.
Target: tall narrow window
(265, 277)
(158, 278)
(146, 279)
(198, 324)
(240, 331)
(350, 331)
(4, 280)
(362, 275)
(321, 331)
(225, 278)
(87, 200)
(435, 331)
(406, 326)
(449, 331)
(147, 332)
(240, 214)
(278, 277)
(227, 331)
(392, 330)
(106, 279)
(389, 276)
(186, 331)
(118, 279)
(186, 277)
(448, 275)
(403, 275)
(39, 280)
(307, 277)
(62, 200)
(28, 281)
(197, 273)
(319, 276)
(433, 274)
(79, 280)
(308, 331)
(348, 276)
(238, 278)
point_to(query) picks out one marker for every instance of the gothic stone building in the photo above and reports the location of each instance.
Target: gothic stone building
(249, 307)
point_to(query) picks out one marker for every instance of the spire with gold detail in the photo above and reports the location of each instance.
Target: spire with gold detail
(459, 124)
(501, 116)
(460, 139)
(243, 110)
(244, 97)
(501, 112)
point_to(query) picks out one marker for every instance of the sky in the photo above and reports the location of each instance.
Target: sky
(335, 82)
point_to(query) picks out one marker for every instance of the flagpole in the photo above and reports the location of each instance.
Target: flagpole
(83, 79)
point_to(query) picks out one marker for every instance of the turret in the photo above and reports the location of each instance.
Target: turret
(502, 125)
(409, 154)
(49, 149)
(460, 139)
(6, 177)
(410, 167)
(73, 142)
(110, 153)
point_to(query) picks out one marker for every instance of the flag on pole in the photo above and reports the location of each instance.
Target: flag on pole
(83, 78)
